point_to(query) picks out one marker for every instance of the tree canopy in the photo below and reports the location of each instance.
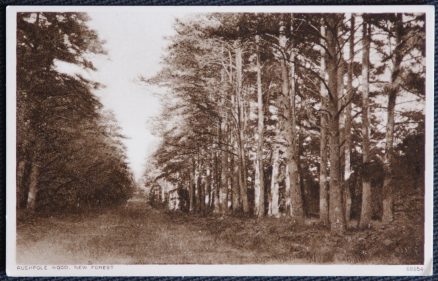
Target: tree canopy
(69, 153)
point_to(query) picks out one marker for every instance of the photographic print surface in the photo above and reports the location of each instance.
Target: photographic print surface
(161, 141)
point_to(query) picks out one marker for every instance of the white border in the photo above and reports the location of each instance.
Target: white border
(218, 270)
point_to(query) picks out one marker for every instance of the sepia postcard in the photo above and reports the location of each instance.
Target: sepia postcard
(220, 141)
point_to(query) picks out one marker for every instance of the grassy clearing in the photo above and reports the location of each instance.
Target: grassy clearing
(137, 234)
(130, 234)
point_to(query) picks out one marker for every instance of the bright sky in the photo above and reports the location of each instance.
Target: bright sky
(135, 43)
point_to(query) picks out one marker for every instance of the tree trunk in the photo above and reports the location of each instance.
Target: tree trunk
(273, 203)
(222, 137)
(297, 211)
(348, 120)
(33, 187)
(240, 109)
(231, 182)
(283, 112)
(192, 188)
(208, 183)
(366, 210)
(198, 193)
(323, 151)
(392, 90)
(223, 190)
(216, 183)
(215, 187)
(387, 211)
(22, 190)
(236, 189)
(200, 188)
(336, 206)
(284, 104)
(259, 189)
(287, 193)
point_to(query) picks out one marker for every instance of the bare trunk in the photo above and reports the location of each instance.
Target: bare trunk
(297, 211)
(366, 210)
(192, 188)
(223, 190)
(22, 190)
(200, 185)
(336, 206)
(209, 184)
(236, 189)
(287, 194)
(216, 186)
(392, 90)
(388, 212)
(348, 120)
(239, 94)
(273, 203)
(222, 137)
(229, 191)
(323, 151)
(282, 110)
(257, 206)
(197, 186)
(33, 187)
(259, 188)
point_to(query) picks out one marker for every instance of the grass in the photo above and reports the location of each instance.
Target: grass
(137, 234)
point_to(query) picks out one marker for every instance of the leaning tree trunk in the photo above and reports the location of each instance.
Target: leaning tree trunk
(323, 151)
(348, 120)
(392, 90)
(336, 206)
(366, 211)
(259, 188)
(296, 210)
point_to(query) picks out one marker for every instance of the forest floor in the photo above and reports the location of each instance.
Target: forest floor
(135, 233)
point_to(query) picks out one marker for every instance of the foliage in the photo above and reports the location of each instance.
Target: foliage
(61, 128)
(209, 127)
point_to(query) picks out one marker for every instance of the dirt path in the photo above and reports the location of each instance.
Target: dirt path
(131, 234)
(138, 234)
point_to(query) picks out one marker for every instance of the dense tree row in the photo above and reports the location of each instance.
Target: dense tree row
(69, 153)
(291, 114)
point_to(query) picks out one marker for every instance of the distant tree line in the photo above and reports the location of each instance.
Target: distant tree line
(293, 114)
(69, 151)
